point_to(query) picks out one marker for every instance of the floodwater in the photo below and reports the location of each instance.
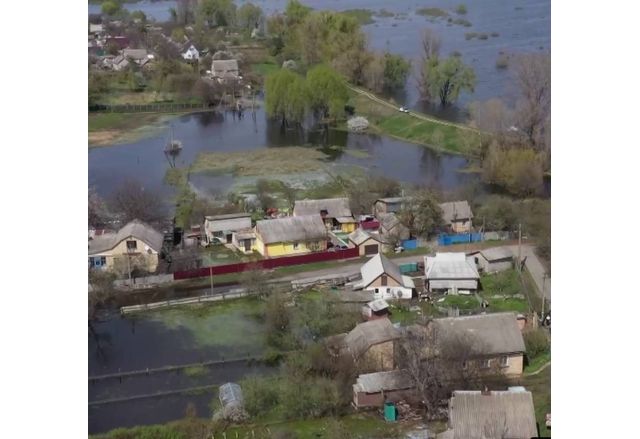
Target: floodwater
(145, 161)
(171, 337)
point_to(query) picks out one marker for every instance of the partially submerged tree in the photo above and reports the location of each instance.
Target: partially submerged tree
(447, 78)
(430, 52)
(327, 92)
(396, 70)
(286, 97)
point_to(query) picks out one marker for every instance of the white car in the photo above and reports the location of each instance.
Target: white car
(403, 110)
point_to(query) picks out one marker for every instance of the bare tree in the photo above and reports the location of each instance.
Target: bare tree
(97, 209)
(132, 201)
(430, 51)
(255, 280)
(533, 109)
(492, 116)
(423, 216)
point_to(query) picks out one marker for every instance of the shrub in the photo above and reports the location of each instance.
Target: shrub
(536, 342)
(470, 35)
(261, 395)
(432, 12)
(502, 62)
(462, 22)
(461, 9)
(483, 36)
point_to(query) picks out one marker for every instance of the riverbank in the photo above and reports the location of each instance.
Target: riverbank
(440, 135)
(106, 129)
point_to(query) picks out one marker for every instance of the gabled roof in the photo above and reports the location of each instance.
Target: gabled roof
(389, 220)
(136, 54)
(378, 305)
(377, 266)
(136, 229)
(449, 266)
(226, 216)
(393, 200)
(335, 207)
(368, 334)
(491, 334)
(291, 228)
(359, 236)
(456, 210)
(508, 414)
(383, 381)
(224, 66)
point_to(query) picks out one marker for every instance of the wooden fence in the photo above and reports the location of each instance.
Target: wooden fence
(284, 261)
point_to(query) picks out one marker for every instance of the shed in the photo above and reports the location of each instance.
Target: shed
(373, 389)
(391, 227)
(368, 243)
(225, 69)
(376, 309)
(373, 341)
(223, 226)
(230, 395)
(494, 260)
(457, 215)
(500, 414)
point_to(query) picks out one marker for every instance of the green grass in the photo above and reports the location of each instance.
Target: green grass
(362, 16)
(540, 386)
(504, 283)
(195, 371)
(432, 12)
(220, 255)
(537, 362)
(265, 68)
(120, 121)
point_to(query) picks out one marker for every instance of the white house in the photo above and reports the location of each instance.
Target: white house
(450, 273)
(191, 53)
(384, 279)
(224, 226)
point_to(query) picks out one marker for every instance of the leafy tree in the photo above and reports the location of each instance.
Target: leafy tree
(327, 91)
(533, 109)
(423, 216)
(430, 52)
(249, 15)
(373, 75)
(519, 170)
(295, 12)
(286, 97)
(110, 7)
(217, 12)
(536, 342)
(177, 35)
(396, 70)
(448, 78)
(139, 15)
(498, 213)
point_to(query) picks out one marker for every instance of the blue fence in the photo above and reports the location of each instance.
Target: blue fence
(459, 238)
(410, 244)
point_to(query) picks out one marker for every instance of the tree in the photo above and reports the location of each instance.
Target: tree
(498, 213)
(519, 170)
(110, 7)
(430, 51)
(447, 78)
(217, 12)
(97, 209)
(132, 201)
(295, 12)
(492, 116)
(396, 70)
(286, 97)
(327, 91)
(139, 15)
(533, 109)
(373, 74)
(249, 16)
(423, 216)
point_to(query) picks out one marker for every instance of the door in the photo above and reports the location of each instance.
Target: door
(247, 245)
(371, 249)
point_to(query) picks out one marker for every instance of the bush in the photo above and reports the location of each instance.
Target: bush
(461, 9)
(502, 62)
(261, 395)
(536, 342)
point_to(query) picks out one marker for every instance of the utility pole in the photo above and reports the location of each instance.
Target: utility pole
(129, 267)
(519, 246)
(544, 282)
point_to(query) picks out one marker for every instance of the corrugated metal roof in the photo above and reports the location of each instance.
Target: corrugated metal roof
(359, 236)
(383, 381)
(231, 222)
(449, 266)
(136, 229)
(227, 216)
(501, 414)
(291, 228)
(370, 333)
(378, 304)
(378, 265)
(220, 67)
(492, 334)
(456, 210)
(451, 283)
(335, 207)
(137, 54)
(497, 253)
(389, 220)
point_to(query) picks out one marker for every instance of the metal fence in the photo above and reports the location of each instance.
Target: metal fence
(459, 238)
(267, 263)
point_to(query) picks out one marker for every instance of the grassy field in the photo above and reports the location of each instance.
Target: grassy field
(114, 128)
(388, 121)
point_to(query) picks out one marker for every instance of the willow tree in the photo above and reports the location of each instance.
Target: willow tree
(286, 97)
(448, 77)
(328, 93)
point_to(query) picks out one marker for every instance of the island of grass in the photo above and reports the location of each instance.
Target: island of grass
(115, 128)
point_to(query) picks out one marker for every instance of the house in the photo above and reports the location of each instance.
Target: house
(392, 229)
(368, 243)
(384, 278)
(389, 205)
(374, 389)
(244, 240)
(457, 216)
(371, 344)
(96, 29)
(225, 70)
(120, 42)
(335, 212)
(496, 340)
(222, 227)
(493, 260)
(491, 414)
(376, 309)
(191, 53)
(291, 235)
(450, 273)
(136, 239)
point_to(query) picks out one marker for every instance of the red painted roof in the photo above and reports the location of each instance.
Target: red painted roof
(370, 225)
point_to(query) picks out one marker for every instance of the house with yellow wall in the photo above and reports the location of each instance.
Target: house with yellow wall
(136, 243)
(292, 235)
(335, 212)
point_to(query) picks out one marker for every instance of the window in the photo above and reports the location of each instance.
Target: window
(465, 365)
(504, 361)
(485, 364)
(132, 245)
(296, 245)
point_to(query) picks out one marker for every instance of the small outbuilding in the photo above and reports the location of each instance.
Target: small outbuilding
(232, 400)
(371, 344)
(493, 260)
(368, 244)
(376, 309)
(225, 70)
(389, 205)
(224, 226)
(335, 212)
(385, 279)
(391, 228)
(374, 389)
(457, 216)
